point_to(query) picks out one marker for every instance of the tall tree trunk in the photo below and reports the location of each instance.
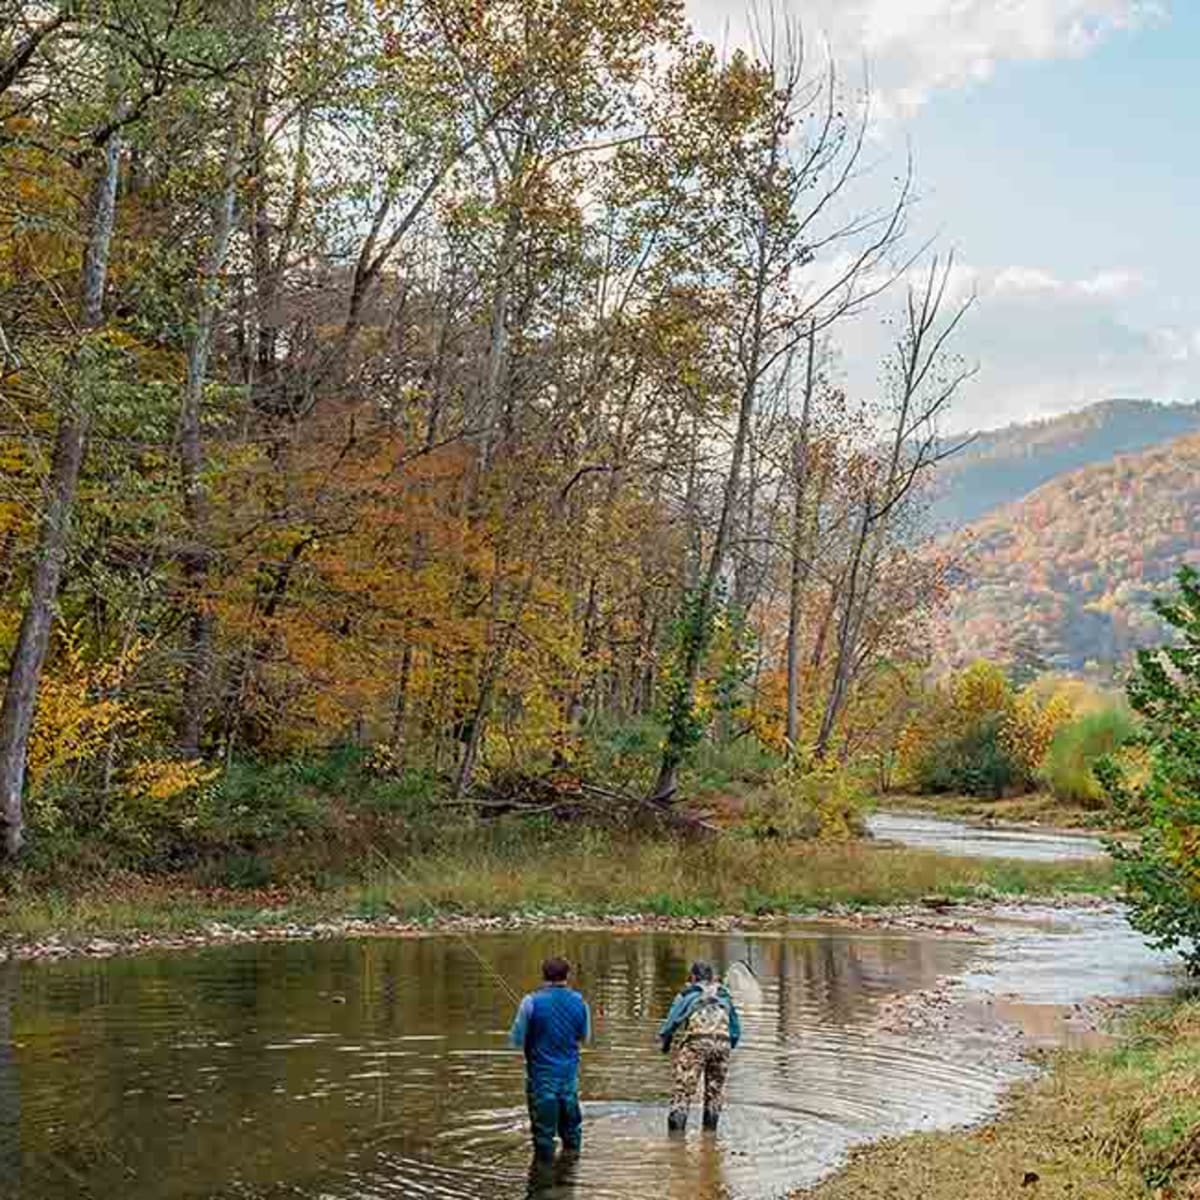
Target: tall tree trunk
(265, 332)
(695, 638)
(800, 553)
(494, 380)
(647, 676)
(745, 570)
(577, 701)
(33, 638)
(846, 636)
(196, 562)
(693, 547)
(400, 709)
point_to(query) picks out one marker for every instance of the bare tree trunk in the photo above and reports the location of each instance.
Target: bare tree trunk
(800, 563)
(923, 394)
(264, 337)
(691, 512)
(33, 638)
(196, 682)
(846, 636)
(694, 641)
(646, 675)
(744, 571)
(694, 647)
(400, 711)
(493, 388)
(577, 702)
(22, 54)
(487, 684)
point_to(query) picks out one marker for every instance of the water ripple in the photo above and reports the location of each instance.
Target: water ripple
(233, 1075)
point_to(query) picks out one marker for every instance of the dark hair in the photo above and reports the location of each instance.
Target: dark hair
(555, 970)
(701, 972)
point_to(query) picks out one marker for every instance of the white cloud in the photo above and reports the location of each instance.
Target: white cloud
(1111, 283)
(1026, 279)
(917, 47)
(1045, 344)
(1047, 339)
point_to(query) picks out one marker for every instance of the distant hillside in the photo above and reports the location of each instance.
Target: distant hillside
(1004, 465)
(1068, 573)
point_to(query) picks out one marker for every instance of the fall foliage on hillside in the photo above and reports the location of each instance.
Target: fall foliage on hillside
(1068, 574)
(1002, 466)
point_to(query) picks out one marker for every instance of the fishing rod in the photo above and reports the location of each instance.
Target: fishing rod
(488, 967)
(749, 987)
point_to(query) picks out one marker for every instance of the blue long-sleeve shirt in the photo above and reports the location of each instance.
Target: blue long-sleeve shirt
(550, 1026)
(682, 1007)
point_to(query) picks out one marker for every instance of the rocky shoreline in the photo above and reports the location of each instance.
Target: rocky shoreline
(934, 915)
(217, 933)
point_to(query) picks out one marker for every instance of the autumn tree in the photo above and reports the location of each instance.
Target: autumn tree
(779, 183)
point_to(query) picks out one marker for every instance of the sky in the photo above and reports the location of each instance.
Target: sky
(1056, 155)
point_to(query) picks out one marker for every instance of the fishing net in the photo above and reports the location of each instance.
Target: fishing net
(743, 986)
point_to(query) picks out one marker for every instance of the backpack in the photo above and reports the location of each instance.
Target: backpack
(709, 1017)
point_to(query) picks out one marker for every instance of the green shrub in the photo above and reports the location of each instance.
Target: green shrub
(956, 742)
(1161, 874)
(626, 755)
(723, 766)
(973, 763)
(808, 801)
(411, 793)
(253, 803)
(1076, 749)
(241, 871)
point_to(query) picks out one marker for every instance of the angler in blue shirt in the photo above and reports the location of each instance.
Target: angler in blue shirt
(551, 1025)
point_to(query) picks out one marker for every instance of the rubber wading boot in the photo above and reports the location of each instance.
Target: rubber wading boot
(711, 1119)
(677, 1121)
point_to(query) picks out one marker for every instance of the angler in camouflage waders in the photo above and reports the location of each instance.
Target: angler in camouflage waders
(699, 1032)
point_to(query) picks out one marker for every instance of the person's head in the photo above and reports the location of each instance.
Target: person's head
(556, 970)
(701, 972)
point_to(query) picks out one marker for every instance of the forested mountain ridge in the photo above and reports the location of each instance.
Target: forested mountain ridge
(1001, 466)
(1068, 573)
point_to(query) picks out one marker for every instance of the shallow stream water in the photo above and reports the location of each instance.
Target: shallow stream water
(345, 1070)
(975, 841)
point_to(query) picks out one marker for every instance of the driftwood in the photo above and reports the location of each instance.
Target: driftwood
(571, 798)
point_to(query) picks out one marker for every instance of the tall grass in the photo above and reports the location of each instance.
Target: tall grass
(1077, 747)
(588, 872)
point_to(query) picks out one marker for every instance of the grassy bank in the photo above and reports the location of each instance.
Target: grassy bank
(1118, 1124)
(519, 868)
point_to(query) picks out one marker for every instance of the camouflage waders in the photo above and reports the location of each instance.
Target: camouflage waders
(699, 1055)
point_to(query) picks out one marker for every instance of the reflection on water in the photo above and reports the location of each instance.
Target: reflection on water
(363, 1070)
(10, 1095)
(375, 1069)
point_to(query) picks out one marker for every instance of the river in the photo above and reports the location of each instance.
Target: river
(977, 841)
(357, 1070)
